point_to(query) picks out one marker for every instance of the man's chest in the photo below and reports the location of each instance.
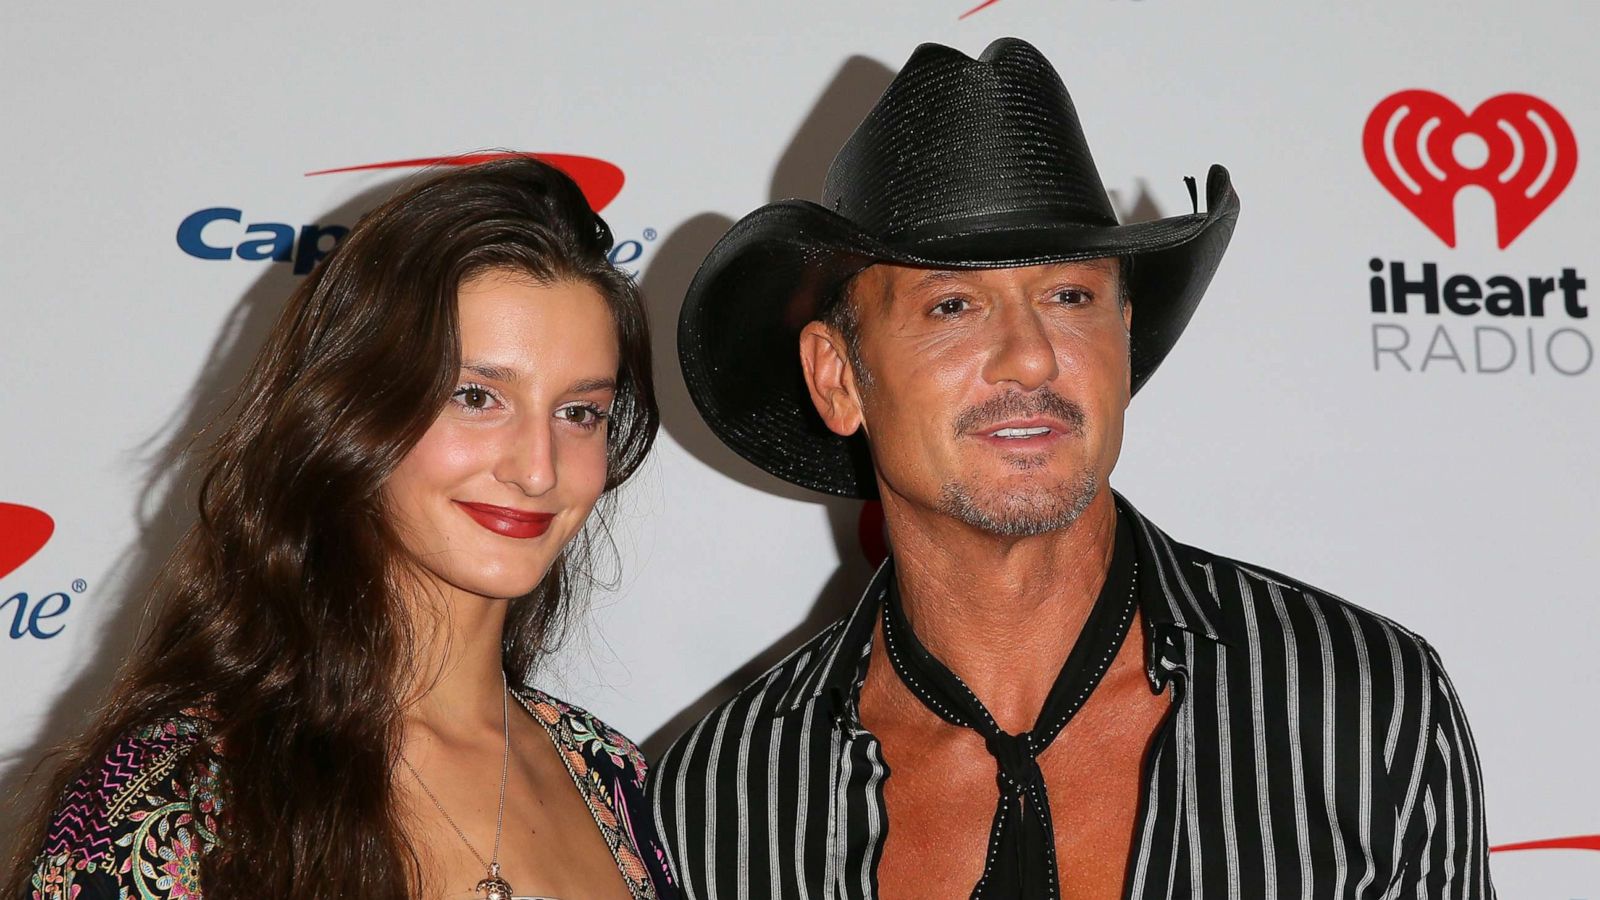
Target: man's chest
(941, 797)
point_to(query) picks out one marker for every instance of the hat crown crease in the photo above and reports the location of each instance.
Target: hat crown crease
(970, 145)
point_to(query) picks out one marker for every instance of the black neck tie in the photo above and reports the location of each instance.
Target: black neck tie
(1021, 859)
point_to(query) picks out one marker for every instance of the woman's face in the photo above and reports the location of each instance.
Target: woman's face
(509, 471)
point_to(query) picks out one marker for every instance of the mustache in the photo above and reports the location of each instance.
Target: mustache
(1017, 405)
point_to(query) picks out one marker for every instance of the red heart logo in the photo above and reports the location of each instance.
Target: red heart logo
(1411, 139)
(23, 532)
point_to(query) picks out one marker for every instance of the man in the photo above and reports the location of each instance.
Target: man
(1040, 694)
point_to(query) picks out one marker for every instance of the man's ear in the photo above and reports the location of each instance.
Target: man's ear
(830, 379)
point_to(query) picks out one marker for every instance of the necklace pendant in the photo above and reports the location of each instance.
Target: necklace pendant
(494, 887)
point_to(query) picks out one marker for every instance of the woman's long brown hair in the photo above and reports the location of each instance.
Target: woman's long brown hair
(277, 609)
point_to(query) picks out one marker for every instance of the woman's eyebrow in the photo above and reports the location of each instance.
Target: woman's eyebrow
(489, 371)
(589, 385)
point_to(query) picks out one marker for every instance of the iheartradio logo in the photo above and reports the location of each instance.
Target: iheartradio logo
(1424, 150)
(1520, 150)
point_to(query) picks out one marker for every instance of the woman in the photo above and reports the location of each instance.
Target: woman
(391, 527)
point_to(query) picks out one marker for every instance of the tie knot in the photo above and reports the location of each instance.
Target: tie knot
(1015, 754)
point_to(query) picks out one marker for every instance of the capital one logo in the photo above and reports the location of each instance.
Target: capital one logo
(23, 533)
(1424, 150)
(227, 233)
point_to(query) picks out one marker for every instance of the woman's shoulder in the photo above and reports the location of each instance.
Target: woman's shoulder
(585, 732)
(134, 821)
(610, 773)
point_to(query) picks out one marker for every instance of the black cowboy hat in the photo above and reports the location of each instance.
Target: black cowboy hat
(962, 163)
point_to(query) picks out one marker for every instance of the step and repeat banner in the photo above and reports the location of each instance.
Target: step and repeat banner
(1399, 345)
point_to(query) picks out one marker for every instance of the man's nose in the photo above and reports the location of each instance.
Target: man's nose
(528, 461)
(1023, 352)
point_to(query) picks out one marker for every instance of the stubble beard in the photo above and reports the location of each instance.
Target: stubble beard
(1020, 514)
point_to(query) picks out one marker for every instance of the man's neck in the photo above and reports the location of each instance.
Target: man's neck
(1001, 612)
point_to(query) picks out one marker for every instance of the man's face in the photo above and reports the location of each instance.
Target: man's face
(995, 396)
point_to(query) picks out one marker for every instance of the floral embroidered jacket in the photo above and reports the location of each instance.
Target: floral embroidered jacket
(133, 828)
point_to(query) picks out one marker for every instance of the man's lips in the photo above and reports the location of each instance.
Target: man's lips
(1018, 433)
(502, 520)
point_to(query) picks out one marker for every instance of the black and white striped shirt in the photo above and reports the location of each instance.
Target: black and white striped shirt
(1314, 750)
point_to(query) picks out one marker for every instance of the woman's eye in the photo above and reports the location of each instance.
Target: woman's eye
(582, 414)
(474, 397)
(950, 306)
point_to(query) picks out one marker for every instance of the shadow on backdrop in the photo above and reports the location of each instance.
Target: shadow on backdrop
(1137, 206)
(799, 173)
(163, 512)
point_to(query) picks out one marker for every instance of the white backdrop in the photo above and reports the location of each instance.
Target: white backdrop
(1455, 498)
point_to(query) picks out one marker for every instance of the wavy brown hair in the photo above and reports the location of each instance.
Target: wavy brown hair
(278, 609)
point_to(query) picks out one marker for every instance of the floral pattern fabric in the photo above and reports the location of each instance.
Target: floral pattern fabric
(609, 772)
(134, 829)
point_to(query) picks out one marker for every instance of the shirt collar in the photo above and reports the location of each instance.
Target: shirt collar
(1173, 596)
(836, 660)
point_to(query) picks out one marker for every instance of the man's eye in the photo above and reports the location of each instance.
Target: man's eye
(950, 306)
(1073, 297)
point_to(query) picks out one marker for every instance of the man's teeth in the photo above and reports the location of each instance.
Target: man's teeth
(1021, 432)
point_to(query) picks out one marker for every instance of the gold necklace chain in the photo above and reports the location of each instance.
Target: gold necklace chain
(493, 864)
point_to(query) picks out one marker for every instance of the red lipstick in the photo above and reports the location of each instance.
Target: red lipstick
(511, 523)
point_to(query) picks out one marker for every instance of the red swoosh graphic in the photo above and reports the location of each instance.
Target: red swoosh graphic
(23, 532)
(979, 8)
(1578, 842)
(600, 181)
